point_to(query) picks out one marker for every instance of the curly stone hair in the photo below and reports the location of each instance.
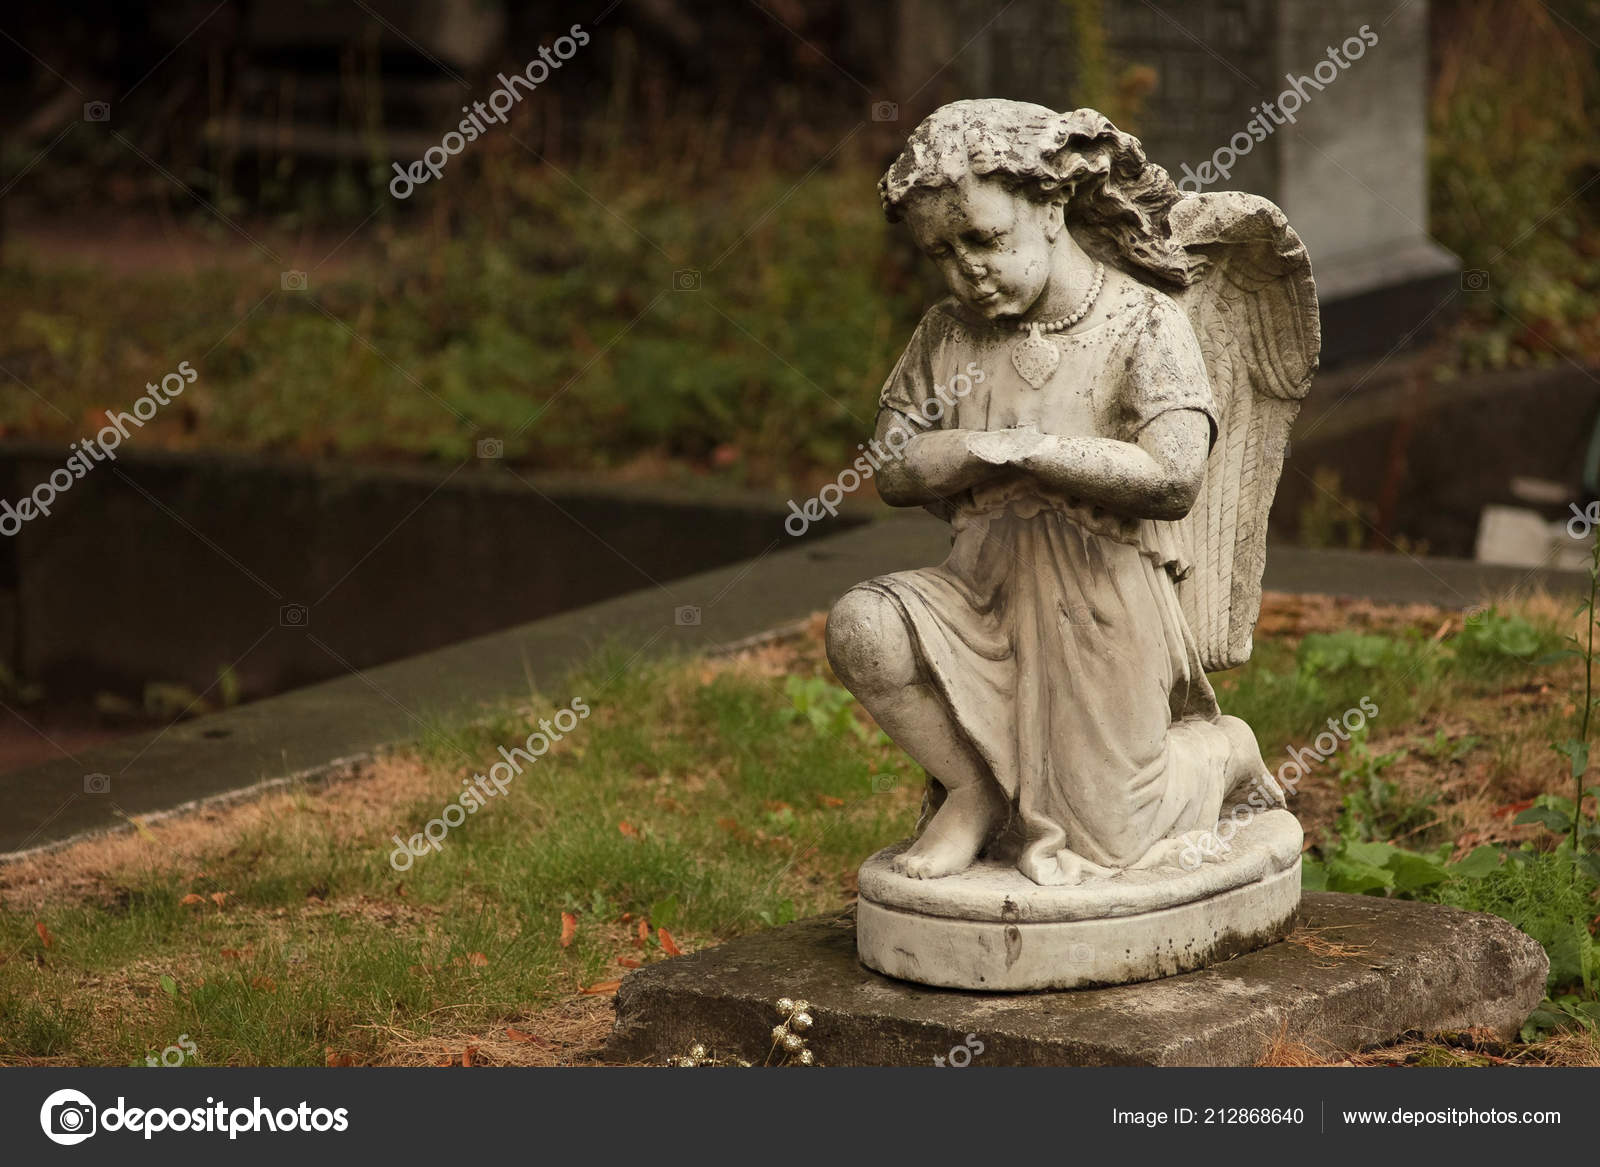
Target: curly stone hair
(1116, 199)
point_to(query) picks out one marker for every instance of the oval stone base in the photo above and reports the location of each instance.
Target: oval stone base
(991, 928)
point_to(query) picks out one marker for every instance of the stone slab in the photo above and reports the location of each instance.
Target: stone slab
(1398, 967)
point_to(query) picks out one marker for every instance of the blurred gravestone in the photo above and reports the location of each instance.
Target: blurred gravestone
(1348, 166)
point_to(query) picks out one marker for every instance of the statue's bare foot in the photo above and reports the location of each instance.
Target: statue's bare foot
(955, 834)
(1188, 851)
(1246, 771)
(1066, 869)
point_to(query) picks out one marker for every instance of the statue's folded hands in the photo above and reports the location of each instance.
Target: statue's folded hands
(1156, 478)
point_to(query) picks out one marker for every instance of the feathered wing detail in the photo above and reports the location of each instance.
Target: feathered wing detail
(1254, 311)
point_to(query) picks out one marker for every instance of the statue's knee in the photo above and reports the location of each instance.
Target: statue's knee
(868, 645)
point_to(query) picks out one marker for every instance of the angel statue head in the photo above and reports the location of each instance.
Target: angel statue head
(1003, 195)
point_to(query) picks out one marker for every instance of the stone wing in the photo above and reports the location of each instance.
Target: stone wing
(1254, 310)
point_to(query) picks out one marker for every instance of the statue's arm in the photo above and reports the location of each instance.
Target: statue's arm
(1157, 476)
(929, 467)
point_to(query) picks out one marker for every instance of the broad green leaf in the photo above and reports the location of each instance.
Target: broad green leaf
(664, 913)
(1412, 872)
(1545, 816)
(1481, 862)
(1352, 876)
(1577, 752)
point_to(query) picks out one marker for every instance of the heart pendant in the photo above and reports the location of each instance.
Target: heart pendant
(1035, 359)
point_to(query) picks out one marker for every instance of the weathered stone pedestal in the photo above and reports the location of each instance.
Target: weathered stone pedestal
(1358, 971)
(994, 929)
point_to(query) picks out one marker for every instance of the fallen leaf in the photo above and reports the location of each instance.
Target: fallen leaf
(477, 960)
(232, 954)
(191, 898)
(44, 933)
(628, 829)
(217, 897)
(265, 984)
(644, 933)
(468, 1055)
(569, 929)
(600, 989)
(626, 916)
(830, 800)
(668, 945)
(516, 1034)
(333, 1059)
(445, 1062)
(627, 962)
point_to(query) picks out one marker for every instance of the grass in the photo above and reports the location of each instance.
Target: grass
(692, 797)
(702, 799)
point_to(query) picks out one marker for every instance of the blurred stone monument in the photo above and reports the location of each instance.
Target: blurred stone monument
(1345, 157)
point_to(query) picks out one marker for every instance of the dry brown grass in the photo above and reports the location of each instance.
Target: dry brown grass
(566, 1034)
(352, 810)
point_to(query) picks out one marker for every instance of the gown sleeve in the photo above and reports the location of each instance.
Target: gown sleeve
(1165, 370)
(910, 384)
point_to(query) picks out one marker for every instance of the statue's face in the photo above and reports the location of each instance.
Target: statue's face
(993, 247)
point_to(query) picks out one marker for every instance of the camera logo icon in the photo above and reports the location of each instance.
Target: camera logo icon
(885, 111)
(1474, 280)
(294, 281)
(686, 280)
(68, 1117)
(491, 448)
(688, 616)
(97, 111)
(97, 783)
(882, 783)
(294, 616)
